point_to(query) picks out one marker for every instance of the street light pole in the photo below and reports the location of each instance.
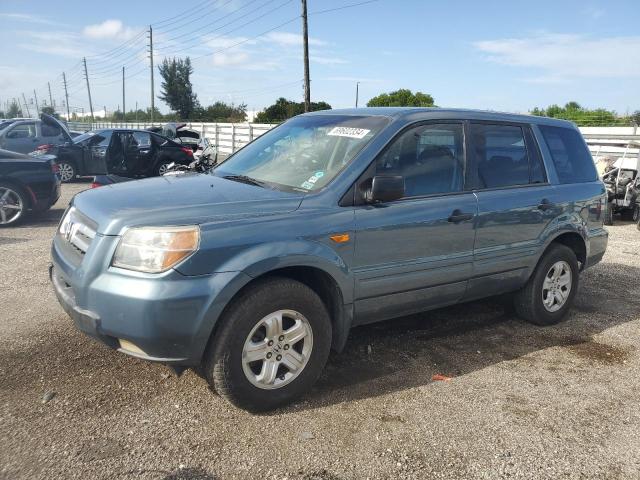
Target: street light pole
(357, 92)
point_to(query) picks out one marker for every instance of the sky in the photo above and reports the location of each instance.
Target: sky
(506, 55)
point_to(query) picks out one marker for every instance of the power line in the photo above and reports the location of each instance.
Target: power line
(202, 16)
(228, 31)
(343, 7)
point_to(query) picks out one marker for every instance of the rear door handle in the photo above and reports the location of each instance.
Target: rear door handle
(545, 205)
(458, 216)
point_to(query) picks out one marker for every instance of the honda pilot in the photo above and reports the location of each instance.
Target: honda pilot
(257, 269)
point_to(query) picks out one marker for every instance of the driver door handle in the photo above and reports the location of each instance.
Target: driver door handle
(458, 216)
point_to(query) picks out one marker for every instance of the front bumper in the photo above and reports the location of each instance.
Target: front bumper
(169, 318)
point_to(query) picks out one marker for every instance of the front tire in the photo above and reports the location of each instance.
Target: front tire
(271, 346)
(549, 293)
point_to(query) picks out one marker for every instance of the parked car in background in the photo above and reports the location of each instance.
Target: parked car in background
(179, 133)
(26, 135)
(125, 152)
(27, 184)
(257, 269)
(203, 162)
(623, 185)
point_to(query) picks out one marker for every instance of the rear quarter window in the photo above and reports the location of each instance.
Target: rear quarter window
(570, 155)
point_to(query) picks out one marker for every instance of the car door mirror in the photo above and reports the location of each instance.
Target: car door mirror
(386, 188)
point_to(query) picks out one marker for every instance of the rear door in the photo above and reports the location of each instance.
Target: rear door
(515, 205)
(416, 253)
(95, 153)
(138, 152)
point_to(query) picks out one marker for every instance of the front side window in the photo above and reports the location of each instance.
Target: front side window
(24, 130)
(303, 154)
(570, 155)
(430, 158)
(500, 154)
(50, 130)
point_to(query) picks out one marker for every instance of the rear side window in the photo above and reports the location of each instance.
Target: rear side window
(570, 155)
(501, 155)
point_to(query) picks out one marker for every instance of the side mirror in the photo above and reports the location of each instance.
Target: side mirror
(386, 188)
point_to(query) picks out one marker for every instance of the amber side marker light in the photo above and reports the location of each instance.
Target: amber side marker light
(340, 238)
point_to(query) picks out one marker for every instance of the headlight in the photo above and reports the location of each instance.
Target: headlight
(63, 229)
(155, 249)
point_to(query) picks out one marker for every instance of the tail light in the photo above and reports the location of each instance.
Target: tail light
(95, 184)
(55, 168)
(188, 151)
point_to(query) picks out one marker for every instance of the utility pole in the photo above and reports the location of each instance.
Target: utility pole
(36, 97)
(151, 63)
(50, 97)
(136, 111)
(86, 76)
(66, 96)
(124, 110)
(357, 91)
(25, 105)
(305, 38)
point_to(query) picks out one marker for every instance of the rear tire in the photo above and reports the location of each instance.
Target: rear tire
(14, 204)
(608, 214)
(249, 329)
(636, 213)
(68, 171)
(547, 297)
(161, 169)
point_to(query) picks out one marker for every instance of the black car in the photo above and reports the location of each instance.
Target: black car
(27, 183)
(125, 152)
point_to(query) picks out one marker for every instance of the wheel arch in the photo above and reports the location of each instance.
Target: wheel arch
(575, 241)
(321, 280)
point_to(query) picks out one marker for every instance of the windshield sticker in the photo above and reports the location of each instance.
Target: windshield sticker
(308, 184)
(350, 132)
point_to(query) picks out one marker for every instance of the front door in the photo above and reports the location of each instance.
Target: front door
(95, 156)
(416, 253)
(516, 206)
(21, 137)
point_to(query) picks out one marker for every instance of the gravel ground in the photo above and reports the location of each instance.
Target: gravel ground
(522, 402)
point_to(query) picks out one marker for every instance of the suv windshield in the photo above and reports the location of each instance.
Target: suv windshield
(303, 154)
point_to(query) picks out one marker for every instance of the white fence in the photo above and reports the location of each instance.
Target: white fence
(227, 137)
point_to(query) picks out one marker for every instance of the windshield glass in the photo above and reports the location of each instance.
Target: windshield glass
(305, 153)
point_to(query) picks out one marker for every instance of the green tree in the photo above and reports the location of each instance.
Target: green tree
(284, 109)
(176, 88)
(635, 118)
(222, 112)
(14, 110)
(48, 110)
(402, 98)
(574, 112)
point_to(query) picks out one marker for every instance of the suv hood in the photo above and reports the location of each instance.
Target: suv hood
(192, 198)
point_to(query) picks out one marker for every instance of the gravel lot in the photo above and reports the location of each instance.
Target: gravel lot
(523, 401)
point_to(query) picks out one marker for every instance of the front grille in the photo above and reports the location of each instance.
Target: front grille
(77, 230)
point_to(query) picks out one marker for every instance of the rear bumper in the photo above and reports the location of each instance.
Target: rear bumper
(168, 318)
(598, 240)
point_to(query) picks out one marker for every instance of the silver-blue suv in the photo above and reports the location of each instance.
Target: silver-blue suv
(257, 269)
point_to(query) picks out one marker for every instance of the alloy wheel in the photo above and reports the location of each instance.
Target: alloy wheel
(556, 286)
(277, 349)
(11, 206)
(66, 172)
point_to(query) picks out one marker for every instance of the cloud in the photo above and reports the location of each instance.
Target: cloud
(62, 44)
(327, 60)
(594, 12)
(291, 39)
(565, 56)
(222, 59)
(28, 18)
(109, 29)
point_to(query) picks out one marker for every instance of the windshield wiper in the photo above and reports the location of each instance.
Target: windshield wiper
(245, 179)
